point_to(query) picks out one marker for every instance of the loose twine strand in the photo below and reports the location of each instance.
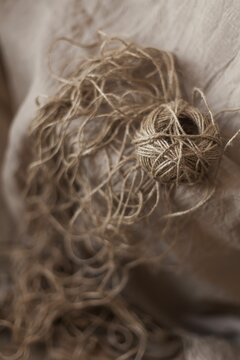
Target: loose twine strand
(114, 138)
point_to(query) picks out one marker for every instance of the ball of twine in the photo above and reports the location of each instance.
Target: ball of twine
(176, 143)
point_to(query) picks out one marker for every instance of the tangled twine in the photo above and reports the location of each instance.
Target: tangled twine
(101, 148)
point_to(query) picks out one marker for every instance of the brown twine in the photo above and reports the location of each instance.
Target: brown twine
(102, 148)
(177, 144)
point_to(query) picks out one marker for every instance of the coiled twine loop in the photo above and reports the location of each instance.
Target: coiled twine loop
(176, 143)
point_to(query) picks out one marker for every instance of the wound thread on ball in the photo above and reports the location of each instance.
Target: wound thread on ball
(177, 144)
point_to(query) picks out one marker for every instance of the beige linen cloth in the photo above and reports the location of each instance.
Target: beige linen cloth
(205, 36)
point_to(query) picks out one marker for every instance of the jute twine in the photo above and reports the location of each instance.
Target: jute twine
(102, 148)
(177, 144)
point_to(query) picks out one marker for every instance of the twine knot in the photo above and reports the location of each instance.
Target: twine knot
(176, 143)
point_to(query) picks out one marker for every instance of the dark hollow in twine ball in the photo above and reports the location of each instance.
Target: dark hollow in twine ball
(176, 143)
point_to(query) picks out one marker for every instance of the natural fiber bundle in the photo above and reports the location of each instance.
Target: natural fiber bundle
(177, 144)
(101, 148)
(93, 123)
